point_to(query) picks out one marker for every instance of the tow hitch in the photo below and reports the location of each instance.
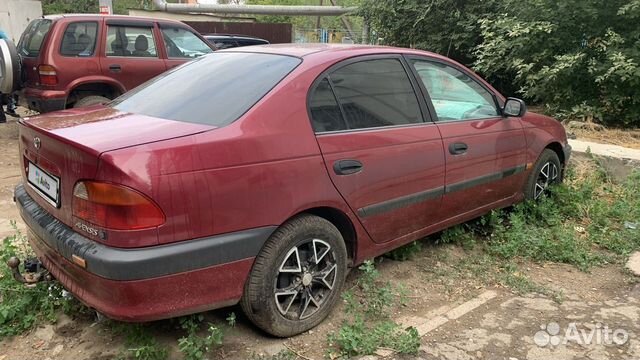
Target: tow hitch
(34, 271)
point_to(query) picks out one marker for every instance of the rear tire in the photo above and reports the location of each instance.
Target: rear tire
(297, 277)
(546, 172)
(91, 100)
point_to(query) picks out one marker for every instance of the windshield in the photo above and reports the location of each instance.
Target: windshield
(32, 38)
(215, 89)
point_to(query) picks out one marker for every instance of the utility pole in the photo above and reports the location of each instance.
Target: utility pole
(318, 22)
(345, 22)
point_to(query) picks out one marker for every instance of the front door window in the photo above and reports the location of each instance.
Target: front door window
(455, 95)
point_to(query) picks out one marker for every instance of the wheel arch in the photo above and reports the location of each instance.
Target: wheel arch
(557, 148)
(341, 221)
(101, 87)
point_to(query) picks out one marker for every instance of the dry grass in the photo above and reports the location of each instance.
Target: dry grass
(626, 138)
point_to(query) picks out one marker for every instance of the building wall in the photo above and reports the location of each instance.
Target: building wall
(15, 15)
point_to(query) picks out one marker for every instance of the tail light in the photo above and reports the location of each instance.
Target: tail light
(48, 75)
(115, 207)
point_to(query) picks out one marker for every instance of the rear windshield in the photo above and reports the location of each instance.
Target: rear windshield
(215, 89)
(32, 38)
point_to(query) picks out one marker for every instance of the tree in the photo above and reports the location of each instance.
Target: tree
(579, 58)
(91, 6)
(447, 27)
(69, 6)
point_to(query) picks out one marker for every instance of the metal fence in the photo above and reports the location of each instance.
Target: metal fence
(274, 33)
(329, 36)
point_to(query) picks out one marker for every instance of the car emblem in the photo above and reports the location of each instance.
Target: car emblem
(36, 142)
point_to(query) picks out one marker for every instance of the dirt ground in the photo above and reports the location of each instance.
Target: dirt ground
(625, 138)
(9, 175)
(503, 326)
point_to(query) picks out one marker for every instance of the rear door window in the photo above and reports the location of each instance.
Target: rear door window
(215, 89)
(130, 41)
(325, 111)
(376, 93)
(182, 43)
(79, 39)
(32, 38)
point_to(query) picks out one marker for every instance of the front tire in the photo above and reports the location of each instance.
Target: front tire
(297, 277)
(546, 172)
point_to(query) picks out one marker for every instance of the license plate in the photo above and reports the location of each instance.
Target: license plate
(48, 186)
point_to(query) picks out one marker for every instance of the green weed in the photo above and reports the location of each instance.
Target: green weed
(459, 235)
(139, 343)
(369, 326)
(22, 307)
(281, 355)
(195, 347)
(231, 319)
(584, 222)
(581, 223)
(359, 337)
(406, 252)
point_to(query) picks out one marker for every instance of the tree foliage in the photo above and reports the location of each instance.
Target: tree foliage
(448, 27)
(577, 57)
(308, 22)
(91, 6)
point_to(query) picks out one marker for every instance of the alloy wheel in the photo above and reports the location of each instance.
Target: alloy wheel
(305, 279)
(548, 175)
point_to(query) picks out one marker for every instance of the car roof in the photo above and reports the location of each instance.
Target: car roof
(317, 53)
(308, 50)
(100, 16)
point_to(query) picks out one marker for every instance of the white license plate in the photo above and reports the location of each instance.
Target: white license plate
(48, 186)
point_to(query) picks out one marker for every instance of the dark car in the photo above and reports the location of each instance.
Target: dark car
(178, 197)
(226, 41)
(79, 60)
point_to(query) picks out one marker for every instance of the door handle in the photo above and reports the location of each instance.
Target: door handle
(458, 148)
(115, 68)
(347, 167)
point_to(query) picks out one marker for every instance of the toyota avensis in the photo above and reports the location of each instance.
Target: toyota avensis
(260, 175)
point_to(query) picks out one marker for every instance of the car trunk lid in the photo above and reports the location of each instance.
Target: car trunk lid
(65, 147)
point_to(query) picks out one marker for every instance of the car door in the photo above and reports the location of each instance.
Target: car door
(484, 151)
(384, 157)
(78, 47)
(130, 52)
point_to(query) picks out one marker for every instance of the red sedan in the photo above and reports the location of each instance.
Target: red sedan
(259, 175)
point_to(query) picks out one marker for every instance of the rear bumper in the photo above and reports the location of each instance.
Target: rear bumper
(43, 101)
(143, 284)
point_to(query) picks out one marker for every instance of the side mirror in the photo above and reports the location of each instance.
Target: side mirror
(514, 107)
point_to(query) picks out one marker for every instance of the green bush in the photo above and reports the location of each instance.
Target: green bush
(579, 58)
